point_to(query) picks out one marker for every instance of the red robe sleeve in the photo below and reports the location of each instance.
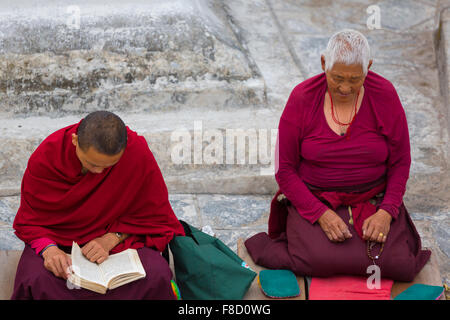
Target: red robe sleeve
(290, 132)
(394, 127)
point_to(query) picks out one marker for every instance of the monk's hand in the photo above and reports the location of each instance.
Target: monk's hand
(377, 226)
(57, 262)
(334, 227)
(97, 250)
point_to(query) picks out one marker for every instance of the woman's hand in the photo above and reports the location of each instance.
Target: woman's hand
(333, 226)
(97, 250)
(377, 226)
(57, 262)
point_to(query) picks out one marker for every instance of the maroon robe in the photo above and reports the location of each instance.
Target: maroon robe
(294, 243)
(317, 169)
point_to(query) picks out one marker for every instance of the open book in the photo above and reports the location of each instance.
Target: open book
(117, 270)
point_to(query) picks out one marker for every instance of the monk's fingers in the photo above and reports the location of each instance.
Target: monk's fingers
(52, 264)
(96, 256)
(86, 248)
(64, 267)
(92, 250)
(101, 259)
(59, 267)
(96, 253)
(65, 264)
(92, 253)
(68, 260)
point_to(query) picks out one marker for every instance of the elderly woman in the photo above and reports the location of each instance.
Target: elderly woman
(344, 160)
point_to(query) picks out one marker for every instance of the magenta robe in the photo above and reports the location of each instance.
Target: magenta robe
(309, 151)
(315, 163)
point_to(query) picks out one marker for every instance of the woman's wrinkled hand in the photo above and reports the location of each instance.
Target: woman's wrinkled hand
(377, 226)
(334, 227)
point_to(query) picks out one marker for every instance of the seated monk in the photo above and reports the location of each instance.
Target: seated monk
(343, 163)
(96, 183)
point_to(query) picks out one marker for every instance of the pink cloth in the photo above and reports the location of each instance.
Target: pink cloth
(39, 244)
(348, 288)
(309, 151)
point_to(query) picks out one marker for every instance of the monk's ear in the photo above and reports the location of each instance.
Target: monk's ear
(322, 61)
(74, 139)
(370, 64)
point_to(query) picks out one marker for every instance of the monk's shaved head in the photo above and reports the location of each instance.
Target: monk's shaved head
(104, 131)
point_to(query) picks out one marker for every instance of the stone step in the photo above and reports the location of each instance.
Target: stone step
(140, 96)
(229, 216)
(443, 52)
(180, 141)
(198, 170)
(133, 56)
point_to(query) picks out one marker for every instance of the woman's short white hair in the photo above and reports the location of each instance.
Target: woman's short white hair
(348, 47)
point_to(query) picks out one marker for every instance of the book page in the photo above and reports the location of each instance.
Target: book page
(119, 263)
(85, 269)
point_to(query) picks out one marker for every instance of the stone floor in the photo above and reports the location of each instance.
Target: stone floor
(238, 216)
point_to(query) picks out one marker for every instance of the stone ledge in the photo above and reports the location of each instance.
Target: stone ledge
(178, 54)
(20, 137)
(443, 50)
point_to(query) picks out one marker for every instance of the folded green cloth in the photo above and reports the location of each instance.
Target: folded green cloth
(421, 292)
(279, 283)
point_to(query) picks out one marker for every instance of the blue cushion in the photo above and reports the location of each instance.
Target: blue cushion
(421, 292)
(279, 283)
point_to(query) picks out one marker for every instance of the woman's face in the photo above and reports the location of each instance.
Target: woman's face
(344, 81)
